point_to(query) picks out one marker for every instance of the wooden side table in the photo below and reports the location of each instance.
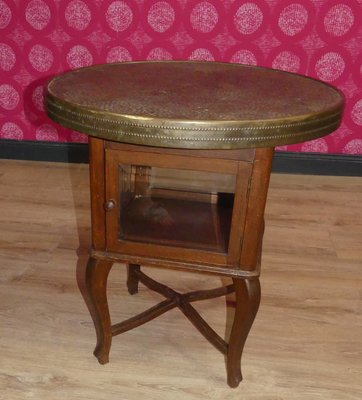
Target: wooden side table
(180, 160)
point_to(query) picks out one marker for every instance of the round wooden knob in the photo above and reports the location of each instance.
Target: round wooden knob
(109, 205)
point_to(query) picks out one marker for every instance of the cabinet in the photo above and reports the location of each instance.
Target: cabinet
(185, 207)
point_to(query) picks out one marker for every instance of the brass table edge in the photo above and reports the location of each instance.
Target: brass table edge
(134, 121)
(239, 135)
(159, 140)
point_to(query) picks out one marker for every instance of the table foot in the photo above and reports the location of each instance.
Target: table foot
(133, 278)
(247, 293)
(101, 356)
(96, 275)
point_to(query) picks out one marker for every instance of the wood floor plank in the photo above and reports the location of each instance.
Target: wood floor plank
(305, 344)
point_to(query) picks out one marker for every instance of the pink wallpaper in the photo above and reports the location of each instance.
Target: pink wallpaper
(41, 38)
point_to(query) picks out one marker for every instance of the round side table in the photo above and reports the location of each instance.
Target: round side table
(180, 160)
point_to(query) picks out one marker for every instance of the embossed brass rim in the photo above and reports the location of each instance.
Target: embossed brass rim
(210, 134)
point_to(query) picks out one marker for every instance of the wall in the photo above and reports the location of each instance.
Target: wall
(41, 38)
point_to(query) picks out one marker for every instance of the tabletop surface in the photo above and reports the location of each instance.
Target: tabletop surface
(194, 104)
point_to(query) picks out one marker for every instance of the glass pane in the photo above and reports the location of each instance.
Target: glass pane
(176, 207)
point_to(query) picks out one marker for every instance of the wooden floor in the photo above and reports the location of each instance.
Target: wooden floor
(306, 342)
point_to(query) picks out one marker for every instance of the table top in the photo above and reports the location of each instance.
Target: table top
(183, 104)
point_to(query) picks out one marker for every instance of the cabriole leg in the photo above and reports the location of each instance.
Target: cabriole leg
(96, 289)
(247, 295)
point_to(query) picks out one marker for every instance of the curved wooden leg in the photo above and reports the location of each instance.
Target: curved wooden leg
(133, 278)
(96, 290)
(247, 293)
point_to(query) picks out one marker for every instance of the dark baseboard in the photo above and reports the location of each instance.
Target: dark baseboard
(317, 164)
(284, 162)
(44, 151)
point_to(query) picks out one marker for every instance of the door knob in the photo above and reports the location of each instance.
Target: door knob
(109, 205)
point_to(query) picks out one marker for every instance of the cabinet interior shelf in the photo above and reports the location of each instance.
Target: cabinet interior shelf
(179, 222)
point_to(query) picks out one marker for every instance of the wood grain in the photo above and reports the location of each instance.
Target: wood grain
(305, 343)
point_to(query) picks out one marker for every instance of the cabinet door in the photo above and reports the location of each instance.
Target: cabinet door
(175, 207)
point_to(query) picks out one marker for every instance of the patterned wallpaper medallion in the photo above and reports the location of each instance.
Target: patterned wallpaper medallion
(41, 38)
